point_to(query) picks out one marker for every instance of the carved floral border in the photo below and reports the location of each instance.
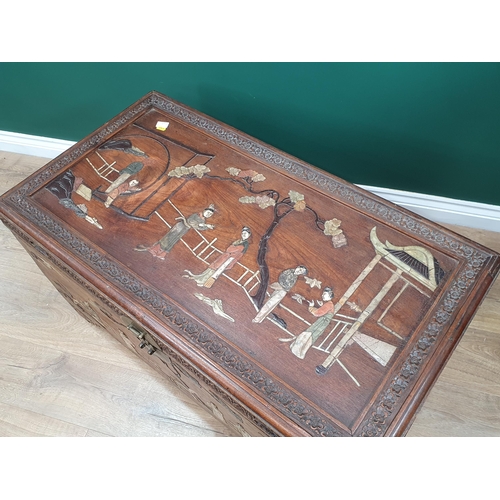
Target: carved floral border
(393, 395)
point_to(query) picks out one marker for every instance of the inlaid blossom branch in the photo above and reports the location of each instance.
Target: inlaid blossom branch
(252, 175)
(298, 200)
(196, 170)
(262, 201)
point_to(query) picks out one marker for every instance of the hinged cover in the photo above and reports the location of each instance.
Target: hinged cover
(328, 310)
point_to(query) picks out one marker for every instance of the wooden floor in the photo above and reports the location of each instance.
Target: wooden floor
(60, 376)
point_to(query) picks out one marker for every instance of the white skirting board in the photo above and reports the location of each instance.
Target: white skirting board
(32, 145)
(435, 208)
(444, 210)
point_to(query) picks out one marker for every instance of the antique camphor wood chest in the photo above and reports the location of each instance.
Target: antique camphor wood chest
(285, 300)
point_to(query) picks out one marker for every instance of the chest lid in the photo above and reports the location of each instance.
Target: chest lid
(334, 308)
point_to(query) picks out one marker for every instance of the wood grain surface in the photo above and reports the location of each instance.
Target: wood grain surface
(60, 376)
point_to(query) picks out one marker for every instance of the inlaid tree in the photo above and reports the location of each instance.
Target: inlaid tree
(282, 206)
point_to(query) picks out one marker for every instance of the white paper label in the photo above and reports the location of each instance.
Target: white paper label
(162, 125)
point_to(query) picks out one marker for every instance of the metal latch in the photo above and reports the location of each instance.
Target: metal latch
(141, 334)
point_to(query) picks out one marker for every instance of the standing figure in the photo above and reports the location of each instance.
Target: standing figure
(224, 262)
(165, 244)
(286, 281)
(125, 188)
(324, 313)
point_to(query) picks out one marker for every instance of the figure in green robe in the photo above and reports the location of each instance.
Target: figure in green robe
(164, 245)
(325, 314)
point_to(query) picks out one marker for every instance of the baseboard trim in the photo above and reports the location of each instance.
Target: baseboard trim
(33, 145)
(444, 210)
(435, 208)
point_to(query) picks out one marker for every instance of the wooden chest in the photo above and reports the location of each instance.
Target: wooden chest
(286, 301)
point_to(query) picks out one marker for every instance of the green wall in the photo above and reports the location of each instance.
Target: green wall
(422, 127)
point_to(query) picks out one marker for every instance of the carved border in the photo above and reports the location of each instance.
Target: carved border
(301, 413)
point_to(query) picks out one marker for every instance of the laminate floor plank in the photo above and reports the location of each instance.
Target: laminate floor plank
(95, 395)
(61, 376)
(18, 422)
(44, 315)
(16, 167)
(91, 433)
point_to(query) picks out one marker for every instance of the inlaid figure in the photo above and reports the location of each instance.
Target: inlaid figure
(125, 188)
(286, 281)
(164, 245)
(324, 313)
(63, 188)
(132, 169)
(224, 262)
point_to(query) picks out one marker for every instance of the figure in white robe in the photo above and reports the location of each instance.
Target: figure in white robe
(125, 188)
(286, 281)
